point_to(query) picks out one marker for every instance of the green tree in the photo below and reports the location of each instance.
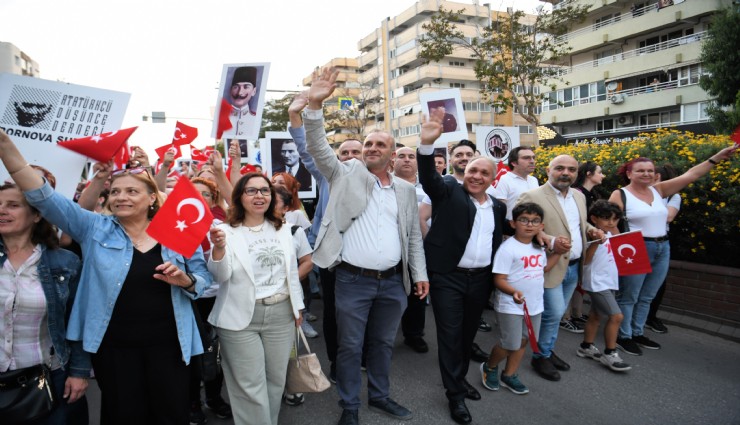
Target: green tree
(275, 114)
(352, 121)
(509, 52)
(721, 58)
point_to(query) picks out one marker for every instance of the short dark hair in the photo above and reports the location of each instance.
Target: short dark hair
(284, 195)
(441, 155)
(463, 142)
(527, 208)
(514, 154)
(43, 232)
(605, 209)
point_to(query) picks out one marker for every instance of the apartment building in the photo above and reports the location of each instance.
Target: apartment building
(634, 67)
(15, 61)
(393, 76)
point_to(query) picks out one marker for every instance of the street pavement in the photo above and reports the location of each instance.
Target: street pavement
(693, 379)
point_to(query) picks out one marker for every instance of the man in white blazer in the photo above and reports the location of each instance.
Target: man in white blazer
(370, 234)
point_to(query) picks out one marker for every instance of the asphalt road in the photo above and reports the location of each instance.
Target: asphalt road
(693, 379)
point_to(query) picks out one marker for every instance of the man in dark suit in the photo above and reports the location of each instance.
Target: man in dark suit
(466, 231)
(292, 165)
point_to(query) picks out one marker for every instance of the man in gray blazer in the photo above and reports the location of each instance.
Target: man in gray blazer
(370, 234)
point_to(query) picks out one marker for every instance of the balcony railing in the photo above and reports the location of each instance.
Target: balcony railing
(636, 13)
(635, 128)
(676, 42)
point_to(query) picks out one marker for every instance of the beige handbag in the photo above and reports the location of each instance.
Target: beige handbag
(304, 371)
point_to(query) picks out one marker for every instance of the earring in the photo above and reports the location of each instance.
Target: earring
(151, 207)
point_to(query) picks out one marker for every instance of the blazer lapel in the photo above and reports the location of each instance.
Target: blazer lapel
(553, 200)
(240, 248)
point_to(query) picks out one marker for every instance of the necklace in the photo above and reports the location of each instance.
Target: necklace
(256, 229)
(136, 244)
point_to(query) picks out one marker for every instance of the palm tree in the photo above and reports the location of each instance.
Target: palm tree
(270, 256)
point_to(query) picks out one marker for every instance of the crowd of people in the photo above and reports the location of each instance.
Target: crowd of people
(85, 291)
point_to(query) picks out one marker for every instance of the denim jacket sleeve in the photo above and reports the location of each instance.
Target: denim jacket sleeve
(299, 137)
(63, 212)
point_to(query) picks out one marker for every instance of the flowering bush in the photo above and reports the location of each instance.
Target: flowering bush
(707, 229)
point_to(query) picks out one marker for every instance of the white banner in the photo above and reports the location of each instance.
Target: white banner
(38, 113)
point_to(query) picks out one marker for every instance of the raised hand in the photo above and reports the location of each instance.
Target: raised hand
(431, 129)
(102, 170)
(322, 87)
(299, 102)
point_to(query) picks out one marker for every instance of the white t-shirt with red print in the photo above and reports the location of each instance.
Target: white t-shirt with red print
(524, 265)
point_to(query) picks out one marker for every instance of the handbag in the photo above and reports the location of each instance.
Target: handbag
(304, 371)
(209, 362)
(26, 394)
(624, 223)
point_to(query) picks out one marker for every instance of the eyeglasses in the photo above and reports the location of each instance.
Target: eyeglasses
(135, 170)
(527, 222)
(206, 195)
(252, 191)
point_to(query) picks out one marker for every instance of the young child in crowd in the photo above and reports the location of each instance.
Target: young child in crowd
(600, 280)
(518, 275)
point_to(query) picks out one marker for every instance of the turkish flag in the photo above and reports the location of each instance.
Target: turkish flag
(183, 221)
(501, 169)
(736, 136)
(184, 134)
(630, 253)
(101, 147)
(247, 168)
(200, 155)
(163, 150)
(121, 158)
(224, 122)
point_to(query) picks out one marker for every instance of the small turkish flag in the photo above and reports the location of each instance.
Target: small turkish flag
(736, 136)
(501, 169)
(184, 134)
(630, 253)
(101, 147)
(163, 150)
(224, 121)
(122, 157)
(183, 221)
(200, 155)
(247, 168)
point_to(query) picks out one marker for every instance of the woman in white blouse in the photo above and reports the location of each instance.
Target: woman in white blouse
(258, 302)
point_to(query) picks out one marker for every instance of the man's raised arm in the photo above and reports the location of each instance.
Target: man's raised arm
(322, 87)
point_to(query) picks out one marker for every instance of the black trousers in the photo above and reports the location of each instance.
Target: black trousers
(213, 388)
(328, 280)
(458, 300)
(414, 318)
(142, 385)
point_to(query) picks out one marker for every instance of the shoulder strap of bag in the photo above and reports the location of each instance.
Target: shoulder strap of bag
(293, 229)
(300, 333)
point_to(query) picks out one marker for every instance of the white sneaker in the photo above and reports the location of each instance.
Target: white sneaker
(614, 362)
(591, 352)
(308, 330)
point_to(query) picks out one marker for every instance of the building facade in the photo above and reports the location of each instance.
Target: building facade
(392, 75)
(15, 61)
(634, 67)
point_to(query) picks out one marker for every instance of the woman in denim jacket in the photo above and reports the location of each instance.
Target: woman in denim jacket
(38, 281)
(141, 333)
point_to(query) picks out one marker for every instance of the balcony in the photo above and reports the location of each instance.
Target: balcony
(430, 72)
(638, 22)
(368, 59)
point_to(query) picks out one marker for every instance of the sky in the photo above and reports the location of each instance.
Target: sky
(169, 54)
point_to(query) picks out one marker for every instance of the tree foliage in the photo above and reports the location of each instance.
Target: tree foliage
(508, 52)
(275, 115)
(721, 58)
(352, 121)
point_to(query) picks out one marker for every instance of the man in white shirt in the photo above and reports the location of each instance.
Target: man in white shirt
(516, 181)
(370, 235)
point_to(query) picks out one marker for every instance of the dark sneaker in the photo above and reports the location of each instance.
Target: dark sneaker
(219, 408)
(293, 399)
(559, 363)
(646, 342)
(629, 346)
(591, 352)
(349, 417)
(570, 326)
(514, 384)
(544, 367)
(483, 326)
(489, 377)
(614, 362)
(580, 320)
(197, 417)
(416, 343)
(656, 325)
(391, 408)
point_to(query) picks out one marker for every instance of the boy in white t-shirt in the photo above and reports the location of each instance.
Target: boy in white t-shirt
(518, 275)
(601, 281)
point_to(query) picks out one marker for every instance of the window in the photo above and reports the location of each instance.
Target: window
(689, 75)
(605, 125)
(525, 129)
(457, 63)
(457, 85)
(606, 20)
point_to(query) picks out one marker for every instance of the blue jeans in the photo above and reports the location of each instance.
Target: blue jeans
(556, 300)
(365, 302)
(637, 291)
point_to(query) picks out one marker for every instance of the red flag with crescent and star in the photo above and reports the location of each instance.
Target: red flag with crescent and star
(101, 147)
(501, 169)
(163, 150)
(184, 134)
(630, 253)
(201, 155)
(736, 136)
(183, 221)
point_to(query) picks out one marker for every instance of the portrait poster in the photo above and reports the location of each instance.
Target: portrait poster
(37, 114)
(497, 142)
(248, 150)
(284, 158)
(243, 87)
(447, 106)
